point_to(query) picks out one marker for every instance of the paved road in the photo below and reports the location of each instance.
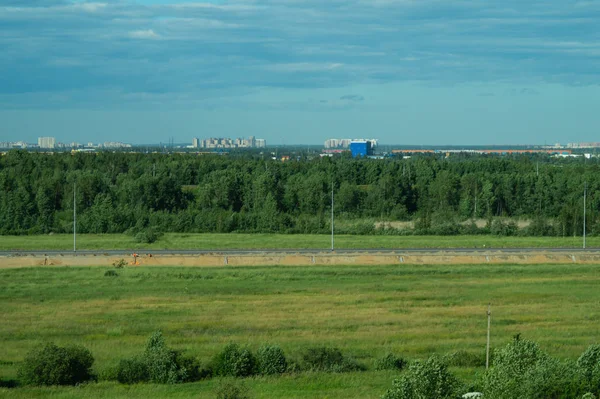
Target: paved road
(370, 251)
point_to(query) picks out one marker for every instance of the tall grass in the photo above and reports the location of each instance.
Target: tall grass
(366, 311)
(283, 241)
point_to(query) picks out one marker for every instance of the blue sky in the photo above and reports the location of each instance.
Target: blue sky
(300, 71)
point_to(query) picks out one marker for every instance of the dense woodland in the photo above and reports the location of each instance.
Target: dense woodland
(128, 192)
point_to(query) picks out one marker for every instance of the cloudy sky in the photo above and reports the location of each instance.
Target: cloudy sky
(301, 71)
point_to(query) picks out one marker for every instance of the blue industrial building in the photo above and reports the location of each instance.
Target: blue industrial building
(361, 148)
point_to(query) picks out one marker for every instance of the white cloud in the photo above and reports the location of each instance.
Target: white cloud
(144, 34)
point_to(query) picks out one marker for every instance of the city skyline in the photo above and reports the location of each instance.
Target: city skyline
(407, 72)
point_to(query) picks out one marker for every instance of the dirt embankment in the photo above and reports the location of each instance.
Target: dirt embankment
(301, 259)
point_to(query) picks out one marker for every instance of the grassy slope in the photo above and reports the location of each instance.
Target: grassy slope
(365, 310)
(282, 241)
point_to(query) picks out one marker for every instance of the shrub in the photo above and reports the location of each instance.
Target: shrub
(501, 228)
(523, 370)
(132, 371)
(329, 359)
(158, 364)
(148, 235)
(271, 360)
(322, 358)
(111, 273)
(119, 264)
(235, 361)
(429, 379)
(8, 383)
(232, 390)
(589, 367)
(589, 360)
(50, 364)
(390, 362)
(164, 365)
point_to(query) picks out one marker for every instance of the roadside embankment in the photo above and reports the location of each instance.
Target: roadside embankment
(303, 259)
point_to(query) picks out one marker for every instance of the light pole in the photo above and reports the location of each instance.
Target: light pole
(584, 203)
(332, 241)
(74, 218)
(487, 348)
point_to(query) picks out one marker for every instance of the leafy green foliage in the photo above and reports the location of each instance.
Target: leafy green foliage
(390, 362)
(166, 366)
(521, 369)
(271, 360)
(425, 380)
(158, 364)
(50, 364)
(132, 371)
(147, 194)
(119, 264)
(235, 362)
(589, 366)
(323, 358)
(148, 235)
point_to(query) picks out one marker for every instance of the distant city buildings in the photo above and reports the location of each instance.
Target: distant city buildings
(250, 142)
(46, 142)
(14, 144)
(583, 145)
(345, 143)
(337, 143)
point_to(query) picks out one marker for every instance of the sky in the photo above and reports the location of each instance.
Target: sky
(413, 72)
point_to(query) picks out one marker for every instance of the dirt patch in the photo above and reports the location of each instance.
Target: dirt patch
(325, 258)
(480, 223)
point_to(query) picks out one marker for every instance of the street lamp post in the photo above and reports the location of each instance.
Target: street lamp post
(74, 218)
(584, 211)
(332, 239)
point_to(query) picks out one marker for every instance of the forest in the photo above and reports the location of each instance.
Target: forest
(132, 192)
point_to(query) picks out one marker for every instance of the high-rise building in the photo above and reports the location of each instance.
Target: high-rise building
(46, 142)
(195, 142)
(260, 143)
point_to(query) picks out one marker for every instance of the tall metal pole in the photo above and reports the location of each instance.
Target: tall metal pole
(584, 201)
(487, 349)
(74, 218)
(332, 242)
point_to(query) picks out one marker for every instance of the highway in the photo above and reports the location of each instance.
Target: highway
(373, 251)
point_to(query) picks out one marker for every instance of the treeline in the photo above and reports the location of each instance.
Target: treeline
(121, 192)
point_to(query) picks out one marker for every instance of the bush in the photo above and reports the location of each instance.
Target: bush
(232, 390)
(429, 379)
(158, 364)
(523, 370)
(235, 362)
(111, 273)
(501, 228)
(589, 367)
(271, 360)
(119, 264)
(132, 371)
(589, 360)
(148, 235)
(390, 362)
(166, 366)
(329, 359)
(50, 364)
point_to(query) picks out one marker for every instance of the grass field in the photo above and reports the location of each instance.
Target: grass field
(366, 311)
(283, 241)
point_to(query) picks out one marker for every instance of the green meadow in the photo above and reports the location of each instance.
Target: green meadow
(284, 241)
(366, 311)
